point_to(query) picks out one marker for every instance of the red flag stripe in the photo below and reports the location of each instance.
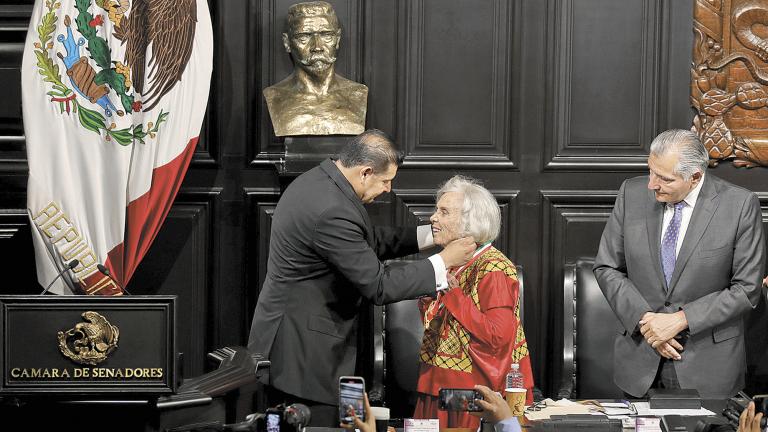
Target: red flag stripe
(146, 213)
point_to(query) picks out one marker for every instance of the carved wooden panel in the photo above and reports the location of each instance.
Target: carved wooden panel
(729, 79)
(269, 63)
(605, 91)
(449, 113)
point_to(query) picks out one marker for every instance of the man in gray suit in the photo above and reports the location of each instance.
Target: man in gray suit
(324, 256)
(680, 262)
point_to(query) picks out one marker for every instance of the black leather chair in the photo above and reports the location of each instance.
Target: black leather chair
(589, 328)
(403, 332)
(401, 342)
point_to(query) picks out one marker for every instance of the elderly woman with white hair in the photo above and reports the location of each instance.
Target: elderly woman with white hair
(472, 331)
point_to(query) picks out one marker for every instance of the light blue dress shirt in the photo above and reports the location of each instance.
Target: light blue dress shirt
(508, 425)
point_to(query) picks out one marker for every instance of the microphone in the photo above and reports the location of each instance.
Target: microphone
(297, 415)
(72, 264)
(105, 271)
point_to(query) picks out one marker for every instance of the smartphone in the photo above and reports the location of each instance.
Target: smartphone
(273, 419)
(761, 403)
(351, 391)
(459, 400)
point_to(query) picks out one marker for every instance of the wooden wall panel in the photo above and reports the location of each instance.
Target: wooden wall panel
(17, 253)
(13, 30)
(381, 77)
(260, 206)
(208, 149)
(605, 84)
(449, 113)
(574, 222)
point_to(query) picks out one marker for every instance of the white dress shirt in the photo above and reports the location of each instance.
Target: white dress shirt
(426, 241)
(669, 211)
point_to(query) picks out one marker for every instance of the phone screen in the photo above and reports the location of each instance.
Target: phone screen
(273, 421)
(351, 391)
(458, 400)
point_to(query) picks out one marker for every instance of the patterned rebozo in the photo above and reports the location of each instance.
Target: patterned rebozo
(473, 332)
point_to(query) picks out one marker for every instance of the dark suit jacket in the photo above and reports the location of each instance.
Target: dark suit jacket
(324, 256)
(717, 278)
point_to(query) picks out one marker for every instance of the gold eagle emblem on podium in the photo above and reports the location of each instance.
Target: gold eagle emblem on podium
(89, 342)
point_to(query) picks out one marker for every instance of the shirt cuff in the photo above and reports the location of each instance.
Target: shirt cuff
(441, 281)
(507, 425)
(424, 237)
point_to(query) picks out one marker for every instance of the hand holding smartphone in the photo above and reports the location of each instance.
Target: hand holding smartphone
(459, 400)
(351, 393)
(274, 419)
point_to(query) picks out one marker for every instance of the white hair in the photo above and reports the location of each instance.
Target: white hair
(692, 156)
(480, 214)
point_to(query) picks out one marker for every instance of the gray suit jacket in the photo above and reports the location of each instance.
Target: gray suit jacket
(324, 256)
(717, 278)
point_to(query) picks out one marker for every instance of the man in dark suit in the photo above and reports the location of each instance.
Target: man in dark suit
(680, 262)
(324, 256)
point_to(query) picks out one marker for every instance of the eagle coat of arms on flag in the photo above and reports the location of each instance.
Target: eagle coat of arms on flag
(114, 93)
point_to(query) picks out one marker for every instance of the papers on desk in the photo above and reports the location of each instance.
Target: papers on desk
(625, 411)
(421, 425)
(618, 409)
(646, 424)
(548, 407)
(644, 408)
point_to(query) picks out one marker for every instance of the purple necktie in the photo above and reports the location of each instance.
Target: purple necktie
(669, 242)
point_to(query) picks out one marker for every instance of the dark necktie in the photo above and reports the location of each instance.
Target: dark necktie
(669, 242)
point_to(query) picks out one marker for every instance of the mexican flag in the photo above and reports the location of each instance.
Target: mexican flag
(114, 93)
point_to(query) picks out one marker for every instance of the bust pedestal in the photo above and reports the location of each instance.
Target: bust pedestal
(304, 152)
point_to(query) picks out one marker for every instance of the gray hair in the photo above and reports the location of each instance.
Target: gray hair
(480, 214)
(692, 155)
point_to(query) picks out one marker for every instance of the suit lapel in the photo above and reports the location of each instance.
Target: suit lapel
(706, 204)
(653, 217)
(343, 184)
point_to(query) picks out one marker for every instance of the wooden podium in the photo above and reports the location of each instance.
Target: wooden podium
(75, 362)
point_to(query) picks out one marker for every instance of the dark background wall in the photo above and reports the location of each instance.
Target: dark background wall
(552, 103)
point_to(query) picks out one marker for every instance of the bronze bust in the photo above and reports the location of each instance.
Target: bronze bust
(314, 100)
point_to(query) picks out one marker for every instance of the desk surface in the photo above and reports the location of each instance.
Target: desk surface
(715, 406)
(690, 422)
